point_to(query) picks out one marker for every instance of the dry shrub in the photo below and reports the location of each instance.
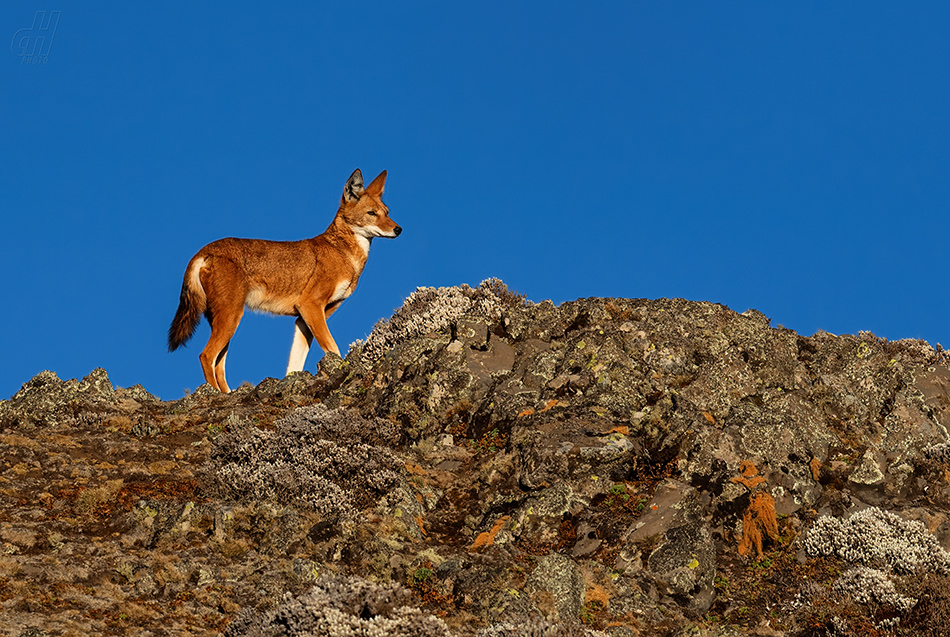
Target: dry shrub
(341, 606)
(91, 499)
(931, 616)
(316, 457)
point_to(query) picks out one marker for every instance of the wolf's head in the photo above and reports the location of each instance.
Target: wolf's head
(363, 208)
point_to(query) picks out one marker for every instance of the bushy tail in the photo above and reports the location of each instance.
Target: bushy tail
(192, 305)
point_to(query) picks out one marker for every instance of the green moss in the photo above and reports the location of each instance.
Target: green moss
(421, 574)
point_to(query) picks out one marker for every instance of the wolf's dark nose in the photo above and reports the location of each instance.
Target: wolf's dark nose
(397, 230)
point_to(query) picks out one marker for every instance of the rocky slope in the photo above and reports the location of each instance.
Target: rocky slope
(486, 466)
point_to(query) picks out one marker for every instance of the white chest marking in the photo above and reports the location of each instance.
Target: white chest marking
(342, 291)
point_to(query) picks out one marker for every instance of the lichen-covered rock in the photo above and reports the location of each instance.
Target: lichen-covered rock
(430, 310)
(558, 578)
(683, 560)
(47, 400)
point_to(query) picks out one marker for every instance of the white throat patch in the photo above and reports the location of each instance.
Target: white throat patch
(363, 240)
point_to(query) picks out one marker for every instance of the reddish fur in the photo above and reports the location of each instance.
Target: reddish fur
(294, 278)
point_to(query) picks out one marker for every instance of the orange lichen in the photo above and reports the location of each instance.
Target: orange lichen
(419, 521)
(758, 522)
(708, 416)
(487, 538)
(548, 405)
(621, 429)
(525, 412)
(750, 477)
(815, 466)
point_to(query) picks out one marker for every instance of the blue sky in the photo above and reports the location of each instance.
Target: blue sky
(788, 157)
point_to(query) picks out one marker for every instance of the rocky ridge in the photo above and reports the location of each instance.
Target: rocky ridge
(486, 466)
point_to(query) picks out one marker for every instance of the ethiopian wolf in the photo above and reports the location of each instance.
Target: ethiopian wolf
(308, 279)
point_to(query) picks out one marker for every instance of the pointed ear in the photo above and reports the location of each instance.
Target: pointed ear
(354, 186)
(379, 184)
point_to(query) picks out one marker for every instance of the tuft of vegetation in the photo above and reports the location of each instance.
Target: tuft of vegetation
(316, 457)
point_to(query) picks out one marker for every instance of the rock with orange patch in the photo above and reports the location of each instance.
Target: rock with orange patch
(487, 538)
(750, 477)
